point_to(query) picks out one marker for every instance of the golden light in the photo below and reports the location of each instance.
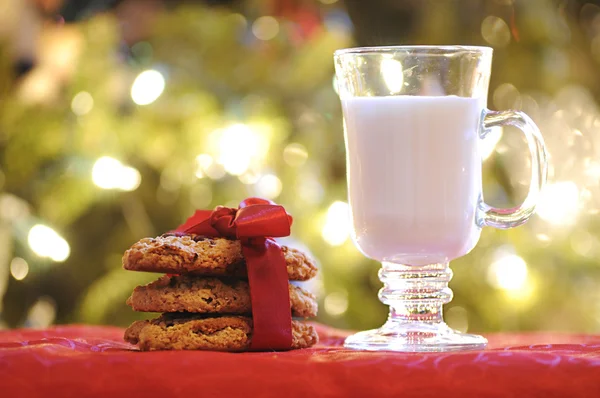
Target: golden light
(336, 303)
(238, 147)
(215, 171)
(295, 154)
(488, 144)
(12, 207)
(456, 317)
(495, 31)
(42, 313)
(268, 186)
(147, 87)
(265, 28)
(505, 96)
(337, 224)
(45, 242)
(19, 268)
(543, 237)
(393, 75)
(203, 163)
(239, 20)
(82, 103)
(309, 189)
(109, 173)
(250, 177)
(328, 1)
(559, 203)
(508, 272)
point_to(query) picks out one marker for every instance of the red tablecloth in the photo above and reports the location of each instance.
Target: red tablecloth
(95, 362)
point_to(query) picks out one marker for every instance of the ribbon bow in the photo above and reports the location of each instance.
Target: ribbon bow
(255, 223)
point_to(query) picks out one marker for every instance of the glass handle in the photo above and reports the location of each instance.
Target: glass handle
(513, 217)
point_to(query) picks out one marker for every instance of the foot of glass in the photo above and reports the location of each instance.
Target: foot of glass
(414, 338)
(415, 296)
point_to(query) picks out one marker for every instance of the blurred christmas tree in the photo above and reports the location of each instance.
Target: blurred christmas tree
(133, 117)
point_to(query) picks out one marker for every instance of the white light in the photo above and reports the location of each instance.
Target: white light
(337, 225)
(19, 268)
(109, 173)
(488, 144)
(393, 74)
(105, 172)
(509, 272)
(147, 87)
(129, 179)
(336, 303)
(238, 146)
(543, 237)
(265, 28)
(45, 242)
(269, 186)
(559, 203)
(82, 103)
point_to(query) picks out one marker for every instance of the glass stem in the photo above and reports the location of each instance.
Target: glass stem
(415, 293)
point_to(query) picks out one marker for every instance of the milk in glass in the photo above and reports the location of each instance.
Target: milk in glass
(414, 172)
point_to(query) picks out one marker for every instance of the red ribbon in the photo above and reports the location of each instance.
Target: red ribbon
(255, 223)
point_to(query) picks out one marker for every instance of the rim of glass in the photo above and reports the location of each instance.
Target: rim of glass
(418, 49)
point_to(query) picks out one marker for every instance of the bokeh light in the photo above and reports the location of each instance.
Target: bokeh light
(336, 230)
(336, 303)
(508, 271)
(268, 186)
(265, 28)
(42, 313)
(238, 147)
(559, 203)
(109, 173)
(147, 87)
(203, 163)
(456, 317)
(19, 268)
(295, 154)
(46, 242)
(250, 177)
(82, 103)
(309, 189)
(495, 31)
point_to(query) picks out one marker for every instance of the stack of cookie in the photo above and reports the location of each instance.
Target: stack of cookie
(205, 296)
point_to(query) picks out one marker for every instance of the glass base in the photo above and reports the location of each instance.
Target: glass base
(414, 337)
(415, 295)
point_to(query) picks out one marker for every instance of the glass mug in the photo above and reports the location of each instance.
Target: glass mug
(413, 120)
